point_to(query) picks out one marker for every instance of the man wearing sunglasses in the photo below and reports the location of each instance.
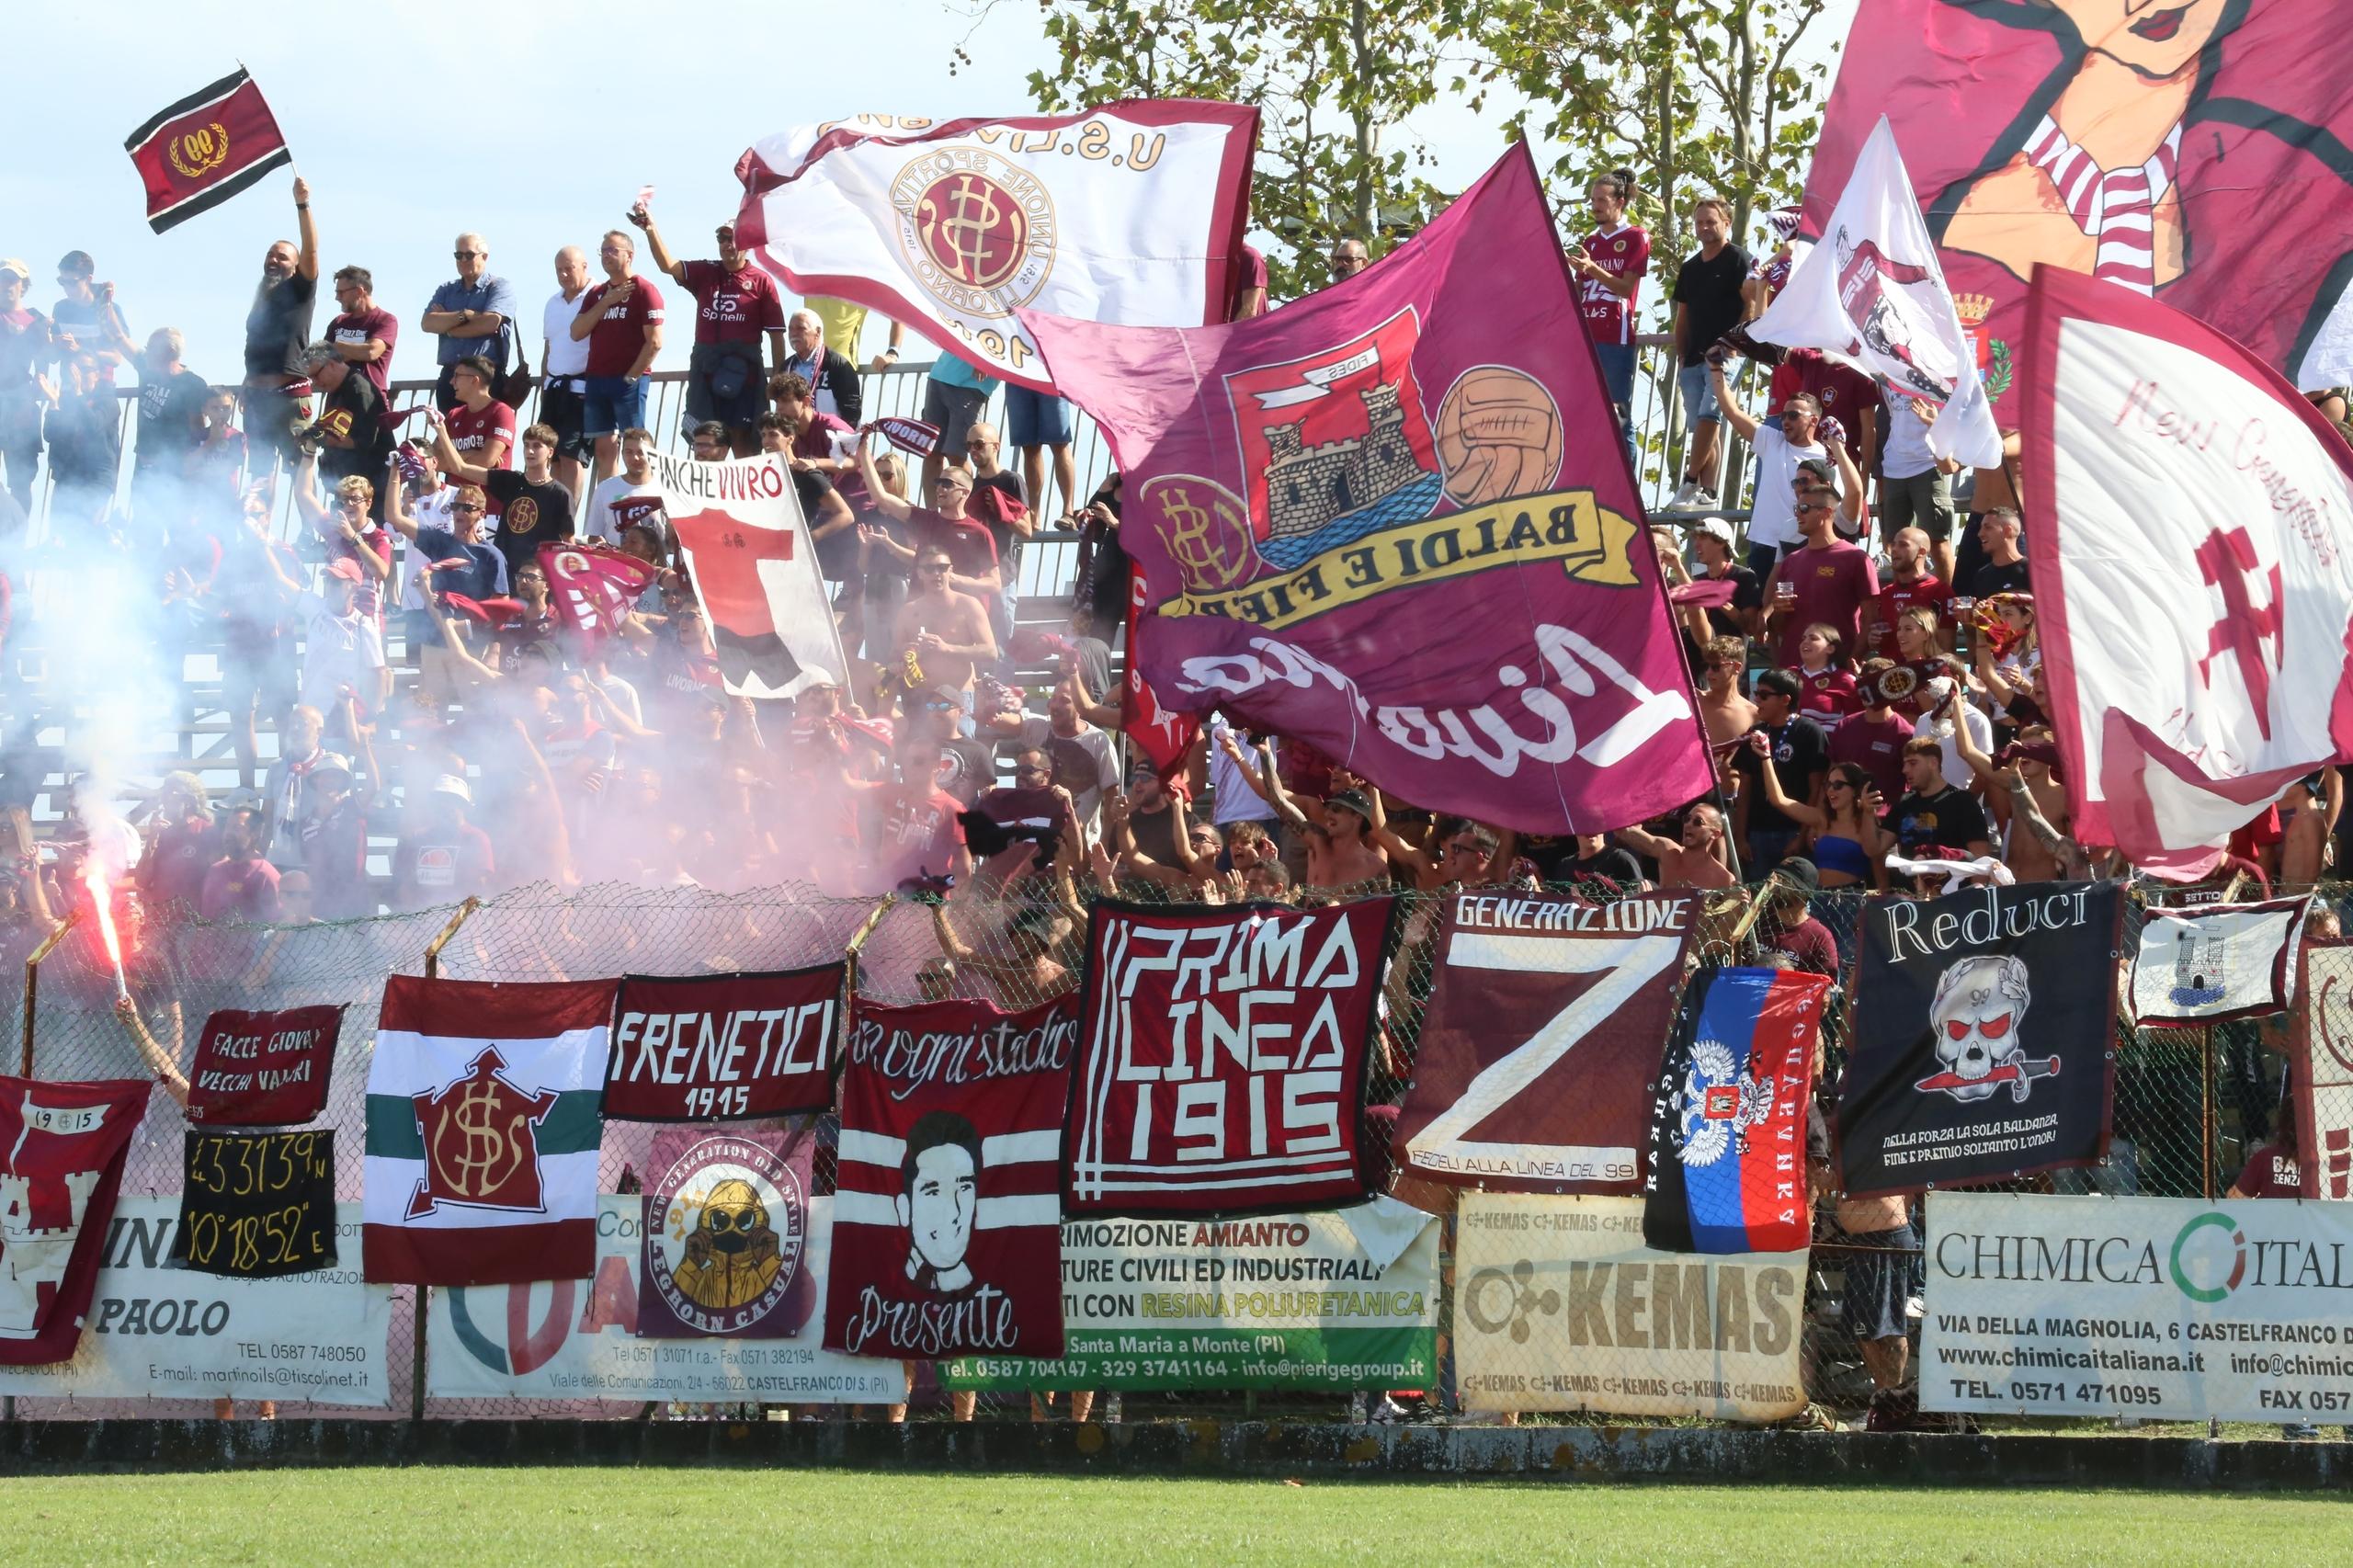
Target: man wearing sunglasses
(469, 315)
(1826, 579)
(454, 561)
(945, 629)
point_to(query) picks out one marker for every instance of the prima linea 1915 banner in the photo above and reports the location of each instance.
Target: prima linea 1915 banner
(2172, 1308)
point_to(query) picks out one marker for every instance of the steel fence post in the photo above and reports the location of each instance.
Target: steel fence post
(32, 982)
(417, 1354)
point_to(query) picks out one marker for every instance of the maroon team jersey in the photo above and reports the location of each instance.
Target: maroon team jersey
(733, 307)
(616, 341)
(1608, 318)
(471, 433)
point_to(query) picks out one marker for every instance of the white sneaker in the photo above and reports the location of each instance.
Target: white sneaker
(1707, 501)
(1685, 498)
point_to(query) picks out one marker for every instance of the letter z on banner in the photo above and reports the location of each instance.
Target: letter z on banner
(1222, 1059)
(1541, 1042)
(746, 547)
(724, 1047)
(946, 1227)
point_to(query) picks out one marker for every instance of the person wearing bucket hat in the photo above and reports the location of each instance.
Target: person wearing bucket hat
(1788, 924)
(26, 344)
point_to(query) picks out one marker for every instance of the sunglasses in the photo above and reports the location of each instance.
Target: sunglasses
(463, 506)
(931, 566)
(1032, 772)
(948, 484)
(468, 254)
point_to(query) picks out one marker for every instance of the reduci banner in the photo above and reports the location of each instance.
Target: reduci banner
(159, 1330)
(1290, 1301)
(2174, 1308)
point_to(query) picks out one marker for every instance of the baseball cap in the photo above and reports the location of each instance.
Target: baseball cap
(331, 762)
(1351, 801)
(450, 784)
(1714, 528)
(10, 263)
(345, 568)
(1815, 468)
(1797, 871)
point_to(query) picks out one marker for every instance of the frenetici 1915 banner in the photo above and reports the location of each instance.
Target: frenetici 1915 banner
(1223, 1058)
(1541, 1041)
(724, 1047)
(1393, 520)
(1985, 1036)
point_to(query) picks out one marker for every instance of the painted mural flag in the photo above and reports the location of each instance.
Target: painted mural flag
(1392, 521)
(1222, 1062)
(1539, 1048)
(725, 1047)
(197, 154)
(483, 1127)
(1727, 1156)
(947, 1221)
(2323, 1087)
(263, 1069)
(726, 1234)
(2192, 552)
(1984, 1042)
(1132, 211)
(2222, 961)
(747, 551)
(2159, 148)
(61, 1151)
(1871, 295)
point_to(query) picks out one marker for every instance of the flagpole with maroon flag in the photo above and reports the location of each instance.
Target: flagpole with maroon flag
(1392, 521)
(197, 154)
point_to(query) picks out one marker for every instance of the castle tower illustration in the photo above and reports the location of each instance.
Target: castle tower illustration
(2199, 959)
(1308, 486)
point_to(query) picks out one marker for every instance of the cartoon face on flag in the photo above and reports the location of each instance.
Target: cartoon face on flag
(2193, 566)
(726, 1233)
(1327, 500)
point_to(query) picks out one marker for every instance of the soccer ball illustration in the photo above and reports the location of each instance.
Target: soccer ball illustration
(1498, 436)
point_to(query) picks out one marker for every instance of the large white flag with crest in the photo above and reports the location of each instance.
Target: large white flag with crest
(1130, 213)
(1871, 292)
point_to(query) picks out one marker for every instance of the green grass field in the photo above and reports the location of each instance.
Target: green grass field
(709, 1516)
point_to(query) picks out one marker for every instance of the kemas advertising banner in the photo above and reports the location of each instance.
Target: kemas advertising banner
(578, 1339)
(2172, 1309)
(1541, 1041)
(1560, 1305)
(263, 1069)
(1985, 1036)
(947, 1222)
(61, 1149)
(160, 1331)
(725, 1047)
(727, 1235)
(1343, 1300)
(1221, 1069)
(2204, 966)
(746, 549)
(2323, 1107)
(1393, 520)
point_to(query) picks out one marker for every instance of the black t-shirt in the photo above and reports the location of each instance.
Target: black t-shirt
(169, 407)
(279, 327)
(371, 443)
(1950, 817)
(966, 767)
(812, 488)
(1801, 753)
(1746, 594)
(1709, 292)
(528, 515)
(1989, 579)
(1619, 865)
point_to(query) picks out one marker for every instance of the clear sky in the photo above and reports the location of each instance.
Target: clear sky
(534, 125)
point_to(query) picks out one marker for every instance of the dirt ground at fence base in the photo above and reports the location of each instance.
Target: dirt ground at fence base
(647, 1516)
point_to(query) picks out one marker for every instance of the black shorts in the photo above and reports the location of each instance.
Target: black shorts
(1879, 1281)
(564, 410)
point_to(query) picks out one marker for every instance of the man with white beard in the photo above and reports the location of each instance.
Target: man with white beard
(277, 333)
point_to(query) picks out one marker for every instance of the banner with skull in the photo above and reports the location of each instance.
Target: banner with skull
(1985, 1036)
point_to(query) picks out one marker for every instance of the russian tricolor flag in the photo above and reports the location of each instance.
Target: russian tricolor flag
(1727, 1154)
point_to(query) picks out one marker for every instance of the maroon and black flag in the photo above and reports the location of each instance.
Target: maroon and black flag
(198, 153)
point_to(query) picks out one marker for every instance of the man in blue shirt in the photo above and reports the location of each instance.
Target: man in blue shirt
(472, 314)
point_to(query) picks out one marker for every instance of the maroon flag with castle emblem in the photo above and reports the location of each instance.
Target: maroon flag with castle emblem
(205, 149)
(1393, 521)
(61, 1150)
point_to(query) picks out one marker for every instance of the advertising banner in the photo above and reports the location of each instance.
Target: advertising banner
(576, 1339)
(1561, 1305)
(159, 1330)
(1287, 1301)
(2178, 1309)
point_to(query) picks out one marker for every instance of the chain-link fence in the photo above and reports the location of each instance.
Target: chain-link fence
(2189, 1104)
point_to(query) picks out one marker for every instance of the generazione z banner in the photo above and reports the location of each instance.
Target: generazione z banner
(1283, 1301)
(2174, 1308)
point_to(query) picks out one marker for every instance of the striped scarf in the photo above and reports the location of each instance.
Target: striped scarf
(2115, 207)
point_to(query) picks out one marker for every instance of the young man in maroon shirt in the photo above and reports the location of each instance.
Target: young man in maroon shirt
(1873, 738)
(946, 524)
(1825, 579)
(620, 320)
(1909, 583)
(736, 305)
(481, 428)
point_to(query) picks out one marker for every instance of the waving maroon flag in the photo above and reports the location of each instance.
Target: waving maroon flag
(593, 589)
(206, 148)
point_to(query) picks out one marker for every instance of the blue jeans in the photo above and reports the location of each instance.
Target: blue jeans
(1617, 377)
(1700, 406)
(612, 403)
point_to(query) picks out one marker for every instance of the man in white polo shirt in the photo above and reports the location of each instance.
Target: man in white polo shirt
(563, 362)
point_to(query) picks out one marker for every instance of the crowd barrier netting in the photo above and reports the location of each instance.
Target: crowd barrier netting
(2189, 1105)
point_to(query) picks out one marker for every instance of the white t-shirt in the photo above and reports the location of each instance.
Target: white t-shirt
(1103, 765)
(338, 651)
(566, 356)
(1230, 798)
(1906, 454)
(430, 512)
(1773, 515)
(1981, 734)
(616, 504)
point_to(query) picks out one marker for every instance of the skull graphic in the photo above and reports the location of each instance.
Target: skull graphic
(1979, 1005)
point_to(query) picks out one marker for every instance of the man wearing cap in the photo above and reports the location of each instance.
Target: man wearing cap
(1350, 858)
(1788, 924)
(832, 380)
(1711, 542)
(278, 333)
(86, 316)
(736, 305)
(1801, 758)
(472, 314)
(442, 858)
(1908, 582)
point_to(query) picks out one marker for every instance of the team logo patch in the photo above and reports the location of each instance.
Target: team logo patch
(977, 230)
(726, 1230)
(481, 1137)
(195, 153)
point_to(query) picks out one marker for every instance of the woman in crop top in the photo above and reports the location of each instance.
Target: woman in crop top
(1843, 836)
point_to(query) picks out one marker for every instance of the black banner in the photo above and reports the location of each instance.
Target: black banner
(256, 1205)
(1985, 1036)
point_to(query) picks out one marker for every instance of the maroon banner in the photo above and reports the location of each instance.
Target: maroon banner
(263, 1069)
(1540, 1046)
(947, 1224)
(1395, 521)
(205, 149)
(727, 1234)
(593, 589)
(2156, 147)
(723, 1047)
(61, 1150)
(1164, 736)
(1223, 1059)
